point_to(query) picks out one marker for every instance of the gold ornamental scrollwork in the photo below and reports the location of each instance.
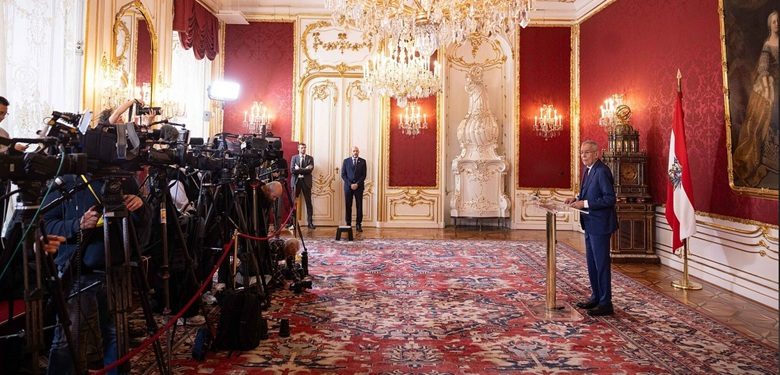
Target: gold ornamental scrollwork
(476, 41)
(312, 65)
(321, 91)
(322, 185)
(480, 204)
(355, 89)
(480, 173)
(414, 197)
(342, 44)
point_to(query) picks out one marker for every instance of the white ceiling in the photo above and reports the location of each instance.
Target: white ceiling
(235, 11)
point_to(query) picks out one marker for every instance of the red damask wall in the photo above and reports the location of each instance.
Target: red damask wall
(545, 56)
(635, 47)
(143, 65)
(260, 57)
(413, 159)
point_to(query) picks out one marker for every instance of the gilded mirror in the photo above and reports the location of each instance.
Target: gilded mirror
(135, 49)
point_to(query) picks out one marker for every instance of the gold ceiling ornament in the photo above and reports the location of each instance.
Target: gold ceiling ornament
(433, 23)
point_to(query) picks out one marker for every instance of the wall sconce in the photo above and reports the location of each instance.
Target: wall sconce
(257, 120)
(549, 123)
(412, 121)
(608, 119)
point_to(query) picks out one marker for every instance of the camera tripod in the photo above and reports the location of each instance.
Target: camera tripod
(296, 225)
(160, 197)
(37, 271)
(122, 271)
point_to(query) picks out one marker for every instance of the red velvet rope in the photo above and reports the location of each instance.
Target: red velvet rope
(226, 250)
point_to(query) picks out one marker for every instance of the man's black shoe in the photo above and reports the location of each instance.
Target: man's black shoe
(359, 228)
(601, 310)
(587, 304)
(311, 226)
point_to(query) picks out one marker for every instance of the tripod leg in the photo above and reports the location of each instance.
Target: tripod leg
(142, 285)
(58, 298)
(305, 253)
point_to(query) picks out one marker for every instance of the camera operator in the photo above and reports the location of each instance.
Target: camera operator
(4, 104)
(79, 221)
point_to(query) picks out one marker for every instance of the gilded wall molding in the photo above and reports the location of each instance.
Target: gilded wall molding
(312, 65)
(476, 41)
(342, 43)
(322, 184)
(574, 108)
(386, 121)
(355, 89)
(321, 91)
(422, 202)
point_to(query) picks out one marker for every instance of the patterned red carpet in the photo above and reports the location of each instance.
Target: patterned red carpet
(462, 307)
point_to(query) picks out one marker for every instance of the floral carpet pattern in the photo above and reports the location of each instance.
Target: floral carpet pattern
(464, 307)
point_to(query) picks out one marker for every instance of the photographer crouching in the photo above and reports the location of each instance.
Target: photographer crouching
(82, 262)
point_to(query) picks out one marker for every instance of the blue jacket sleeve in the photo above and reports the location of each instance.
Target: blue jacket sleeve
(57, 222)
(606, 197)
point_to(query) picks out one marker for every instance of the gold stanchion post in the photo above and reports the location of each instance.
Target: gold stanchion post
(685, 283)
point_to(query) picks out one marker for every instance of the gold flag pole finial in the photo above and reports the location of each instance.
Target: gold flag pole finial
(679, 81)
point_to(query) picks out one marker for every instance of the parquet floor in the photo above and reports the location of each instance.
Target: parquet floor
(751, 318)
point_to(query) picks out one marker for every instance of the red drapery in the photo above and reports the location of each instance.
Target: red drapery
(198, 28)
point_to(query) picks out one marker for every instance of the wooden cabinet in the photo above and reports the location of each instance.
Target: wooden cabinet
(633, 241)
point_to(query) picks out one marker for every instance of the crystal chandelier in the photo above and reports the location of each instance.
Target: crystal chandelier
(608, 119)
(257, 120)
(433, 23)
(114, 90)
(399, 70)
(411, 121)
(549, 123)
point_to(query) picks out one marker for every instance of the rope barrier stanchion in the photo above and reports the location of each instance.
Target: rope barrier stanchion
(145, 344)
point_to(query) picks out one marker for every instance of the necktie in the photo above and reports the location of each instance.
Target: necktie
(354, 161)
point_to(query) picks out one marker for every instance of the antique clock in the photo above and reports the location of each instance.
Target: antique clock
(633, 241)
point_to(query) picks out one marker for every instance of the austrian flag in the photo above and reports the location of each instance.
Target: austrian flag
(679, 190)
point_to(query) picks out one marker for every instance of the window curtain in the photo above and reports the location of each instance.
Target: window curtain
(40, 61)
(198, 28)
(188, 83)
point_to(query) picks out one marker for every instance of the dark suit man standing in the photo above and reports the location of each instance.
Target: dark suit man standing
(353, 173)
(302, 166)
(597, 196)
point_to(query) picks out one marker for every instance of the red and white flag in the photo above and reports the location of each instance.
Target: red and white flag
(679, 190)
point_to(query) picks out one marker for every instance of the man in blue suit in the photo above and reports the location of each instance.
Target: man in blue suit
(353, 173)
(597, 196)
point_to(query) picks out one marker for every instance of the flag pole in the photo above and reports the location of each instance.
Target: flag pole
(685, 283)
(679, 81)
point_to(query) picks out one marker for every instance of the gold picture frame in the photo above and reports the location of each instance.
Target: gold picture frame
(750, 101)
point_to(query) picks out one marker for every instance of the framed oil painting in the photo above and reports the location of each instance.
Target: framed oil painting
(749, 35)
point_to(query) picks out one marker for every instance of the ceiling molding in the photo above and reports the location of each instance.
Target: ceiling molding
(567, 12)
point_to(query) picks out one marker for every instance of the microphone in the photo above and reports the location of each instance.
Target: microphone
(166, 121)
(58, 184)
(66, 115)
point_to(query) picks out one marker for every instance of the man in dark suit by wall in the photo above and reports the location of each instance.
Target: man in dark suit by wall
(597, 196)
(353, 173)
(301, 166)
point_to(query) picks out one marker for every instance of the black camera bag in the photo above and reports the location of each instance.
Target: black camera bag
(239, 320)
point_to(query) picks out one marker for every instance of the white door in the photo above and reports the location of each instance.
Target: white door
(337, 114)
